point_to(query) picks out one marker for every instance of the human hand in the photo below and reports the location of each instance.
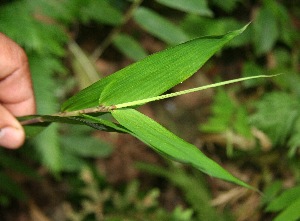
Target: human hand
(16, 93)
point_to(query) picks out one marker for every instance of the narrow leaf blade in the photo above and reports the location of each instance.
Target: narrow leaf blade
(151, 76)
(168, 144)
(159, 26)
(159, 72)
(198, 7)
(129, 47)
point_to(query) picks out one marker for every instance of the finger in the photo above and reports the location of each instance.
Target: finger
(12, 134)
(16, 92)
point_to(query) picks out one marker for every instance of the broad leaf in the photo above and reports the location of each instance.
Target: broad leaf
(168, 144)
(151, 76)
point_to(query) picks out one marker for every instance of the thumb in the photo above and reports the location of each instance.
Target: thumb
(12, 134)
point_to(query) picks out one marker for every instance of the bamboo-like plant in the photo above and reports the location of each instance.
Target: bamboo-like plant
(144, 81)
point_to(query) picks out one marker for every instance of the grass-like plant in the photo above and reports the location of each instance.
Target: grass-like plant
(120, 93)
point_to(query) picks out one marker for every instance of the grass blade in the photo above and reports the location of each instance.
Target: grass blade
(168, 144)
(151, 76)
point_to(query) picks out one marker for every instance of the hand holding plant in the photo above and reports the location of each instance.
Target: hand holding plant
(16, 94)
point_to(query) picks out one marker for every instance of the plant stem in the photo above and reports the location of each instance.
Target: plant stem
(41, 119)
(91, 110)
(102, 108)
(147, 100)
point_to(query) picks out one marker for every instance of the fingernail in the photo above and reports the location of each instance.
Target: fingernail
(11, 137)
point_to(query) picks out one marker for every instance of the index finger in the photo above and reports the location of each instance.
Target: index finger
(16, 93)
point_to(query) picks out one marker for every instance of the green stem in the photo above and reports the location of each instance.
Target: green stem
(102, 108)
(147, 100)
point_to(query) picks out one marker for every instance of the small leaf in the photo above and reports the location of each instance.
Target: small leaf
(129, 47)
(198, 7)
(159, 26)
(169, 145)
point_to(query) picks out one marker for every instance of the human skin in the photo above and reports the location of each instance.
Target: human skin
(16, 93)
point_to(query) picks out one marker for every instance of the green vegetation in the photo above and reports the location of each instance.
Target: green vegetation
(257, 121)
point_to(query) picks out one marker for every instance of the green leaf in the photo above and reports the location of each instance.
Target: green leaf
(284, 200)
(169, 145)
(160, 72)
(252, 69)
(291, 213)
(222, 110)
(226, 5)
(294, 140)
(62, 11)
(265, 30)
(113, 126)
(129, 47)
(84, 68)
(151, 76)
(85, 146)
(72, 163)
(31, 33)
(271, 191)
(276, 115)
(101, 11)
(47, 145)
(37, 123)
(213, 26)
(159, 26)
(198, 7)
(192, 185)
(187, 91)
(88, 97)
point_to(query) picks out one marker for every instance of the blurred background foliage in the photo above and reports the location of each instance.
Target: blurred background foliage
(252, 129)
